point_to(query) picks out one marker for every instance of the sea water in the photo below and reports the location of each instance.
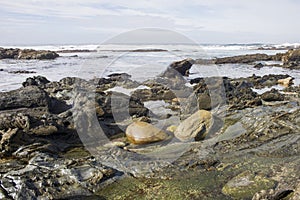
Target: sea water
(137, 60)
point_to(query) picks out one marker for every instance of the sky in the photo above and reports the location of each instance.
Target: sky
(97, 21)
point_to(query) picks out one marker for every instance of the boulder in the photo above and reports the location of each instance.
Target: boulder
(273, 95)
(286, 81)
(183, 66)
(36, 80)
(204, 101)
(142, 133)
(28, 97)
(195, 127)
(258, 66)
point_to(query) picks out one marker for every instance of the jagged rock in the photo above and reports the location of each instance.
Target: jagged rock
(14, 120)
(28, 97)
(183, 66)
(36, 80)
(292, 56)
(273, 95)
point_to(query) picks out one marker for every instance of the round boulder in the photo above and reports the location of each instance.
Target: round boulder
(195, 127)
(142, 133)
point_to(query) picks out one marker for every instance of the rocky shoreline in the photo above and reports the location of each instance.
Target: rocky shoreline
(218, 138)
(290, 59)
(27, 54)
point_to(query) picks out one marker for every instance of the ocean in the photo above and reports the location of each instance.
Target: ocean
(142, 62)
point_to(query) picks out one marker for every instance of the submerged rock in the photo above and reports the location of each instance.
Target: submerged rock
(143, 133)
(258, 66)
(195, 127)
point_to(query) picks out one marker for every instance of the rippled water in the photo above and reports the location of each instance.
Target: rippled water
(141, 65)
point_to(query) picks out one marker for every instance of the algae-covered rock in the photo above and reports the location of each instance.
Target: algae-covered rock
(246, 184)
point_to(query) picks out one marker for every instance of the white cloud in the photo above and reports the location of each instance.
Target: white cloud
(255, 17)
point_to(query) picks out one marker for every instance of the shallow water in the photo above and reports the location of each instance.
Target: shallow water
(141, 65)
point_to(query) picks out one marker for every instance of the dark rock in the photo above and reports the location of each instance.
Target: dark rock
(204, 102)
(27, 54)
(119, 76)
(28, 97)
(183, 66)
(292, 56)
(75, 51)
(22, 72)
(40, 55)
(39, 81)
(258, 66)
(249, 58)
(273, 95)
(9, 53)
(149, 50)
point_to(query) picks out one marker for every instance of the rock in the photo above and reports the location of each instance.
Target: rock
(249, 58)
(119, 76)
(258, 66)
(6, 137)
(245, 185)
(273, 95)
(204, 102)
(36, 80)
(22, 72)
(195, 127)
(183, 66)
(76, 51)
(286, 82)
(14, 120)
(27, 54)
(28, 97)
(292, 56)
(143, 133)
(9, 53)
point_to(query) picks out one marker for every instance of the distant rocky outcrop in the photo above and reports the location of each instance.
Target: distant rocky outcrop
(27, 54)
(291, 58)
(183, 66)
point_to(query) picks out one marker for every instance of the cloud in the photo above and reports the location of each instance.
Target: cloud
(192, 17)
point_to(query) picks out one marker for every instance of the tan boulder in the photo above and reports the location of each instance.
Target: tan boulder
(195, 127)
(286, 81)
(142, 133)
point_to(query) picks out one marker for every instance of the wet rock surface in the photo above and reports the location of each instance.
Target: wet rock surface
(241, 148)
